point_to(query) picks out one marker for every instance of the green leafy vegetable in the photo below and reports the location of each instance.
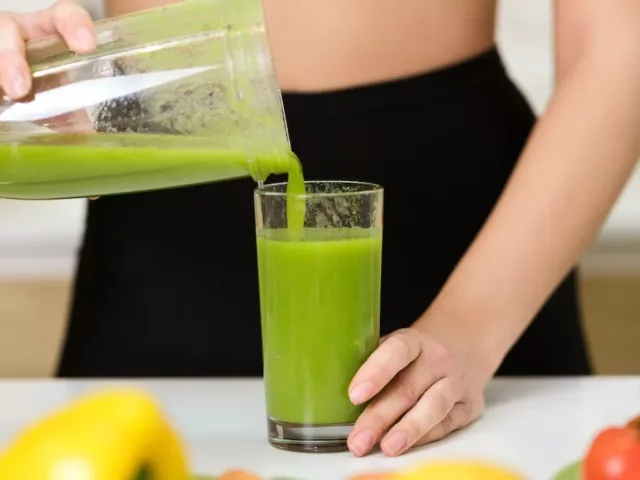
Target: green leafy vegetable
(571, 472)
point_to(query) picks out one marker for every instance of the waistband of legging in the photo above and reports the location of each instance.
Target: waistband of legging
(430, 86)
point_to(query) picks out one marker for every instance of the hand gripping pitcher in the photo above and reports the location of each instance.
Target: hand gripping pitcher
(173, 96)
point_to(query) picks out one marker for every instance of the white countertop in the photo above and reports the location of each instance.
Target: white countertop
(535, 426)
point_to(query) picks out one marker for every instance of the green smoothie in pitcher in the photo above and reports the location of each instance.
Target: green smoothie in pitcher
(55, 166)
(320, 297)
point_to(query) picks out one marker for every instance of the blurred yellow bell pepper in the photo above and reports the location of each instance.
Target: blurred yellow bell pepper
(109, 435)
(446, 470)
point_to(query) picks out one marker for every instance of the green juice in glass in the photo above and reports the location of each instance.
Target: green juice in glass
(320, 297)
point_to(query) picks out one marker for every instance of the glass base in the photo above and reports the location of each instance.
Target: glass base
(297, 437)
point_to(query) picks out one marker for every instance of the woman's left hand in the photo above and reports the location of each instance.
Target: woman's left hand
(420, 393)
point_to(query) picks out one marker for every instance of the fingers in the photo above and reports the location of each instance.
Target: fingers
(432, 412)
(391, 357)
(65, 17)
(460, 415)
(385, 409)
(15, 77)
(74, 25)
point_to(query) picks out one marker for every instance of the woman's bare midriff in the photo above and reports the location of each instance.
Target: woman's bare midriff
(322, 45)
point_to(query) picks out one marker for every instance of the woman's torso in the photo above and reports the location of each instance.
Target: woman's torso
(168, 279)
(333, 44)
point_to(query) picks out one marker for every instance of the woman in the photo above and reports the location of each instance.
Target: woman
(486, 211)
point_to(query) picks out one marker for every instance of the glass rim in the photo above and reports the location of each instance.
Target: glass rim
(370, 188)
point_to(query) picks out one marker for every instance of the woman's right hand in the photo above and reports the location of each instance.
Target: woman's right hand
(65, 18)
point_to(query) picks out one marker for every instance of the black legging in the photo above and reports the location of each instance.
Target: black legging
(167, 282)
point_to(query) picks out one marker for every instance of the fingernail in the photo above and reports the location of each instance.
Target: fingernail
(18, 86)
(360, 393)
(361, 443)
(395, 443)
(85, 38)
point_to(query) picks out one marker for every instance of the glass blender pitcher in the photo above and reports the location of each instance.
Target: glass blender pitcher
(177, 95)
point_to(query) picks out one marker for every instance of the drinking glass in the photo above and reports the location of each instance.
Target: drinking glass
(320, 306)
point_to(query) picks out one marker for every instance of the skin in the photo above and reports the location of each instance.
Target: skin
(427, 380)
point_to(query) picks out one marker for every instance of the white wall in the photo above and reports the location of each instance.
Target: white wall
(40, 238)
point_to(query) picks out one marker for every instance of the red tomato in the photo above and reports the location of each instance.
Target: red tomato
(615, 454)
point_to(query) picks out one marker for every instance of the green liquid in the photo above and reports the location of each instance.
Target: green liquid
(296, 205)
(68, 166)
(320, 297)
